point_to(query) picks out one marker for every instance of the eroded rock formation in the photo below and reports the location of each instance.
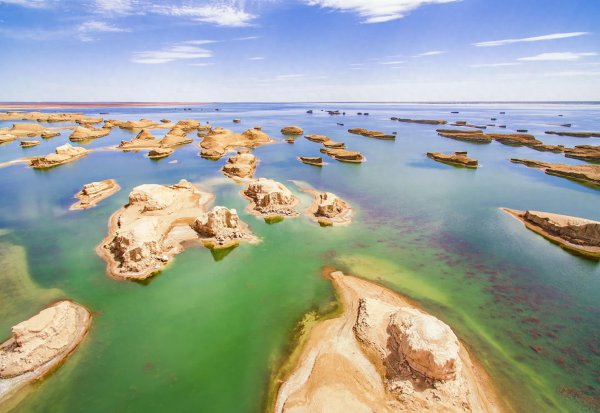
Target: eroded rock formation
(475, 136)
(458, 158)
(292, 130)
(329, 209)
(343, 155)
(63, 154)
(222, 228)
(241, 165)
(578, 235)
(382, 355)
(91, 194)
(270, 199)
(312, 160)
(86, 133)
(371, 134)
(587, 153)
(218, 141)
(422, 121)
(589, 174)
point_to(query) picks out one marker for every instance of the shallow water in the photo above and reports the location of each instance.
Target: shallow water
(206, 334)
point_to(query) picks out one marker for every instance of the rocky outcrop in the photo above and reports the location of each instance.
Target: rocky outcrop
(91, 194)
(29, 144)
(587, 153)
(423, 121)
(325, 141)
(270, 199)
(343, 155)
(144, 235)
(292, 130)
(135, 124)
(40, 344)
(84, 134)
(63, 154)
(382, 355)
(222, 228)
(177, 136)
(474, 136)
(371, 134)
(328, 209)
(458, 158)
(218, 141)
(143, 140)
(515, 139)
(49, 117)
(241, 165)
(575, 134)
(578, 235)
(159, 153)
(312, 160)
(589, 174)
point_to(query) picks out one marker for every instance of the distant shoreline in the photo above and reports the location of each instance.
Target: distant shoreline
(76, 105)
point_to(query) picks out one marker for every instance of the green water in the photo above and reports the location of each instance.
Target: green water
(207, 333)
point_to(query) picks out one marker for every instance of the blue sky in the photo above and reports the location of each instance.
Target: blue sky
(299, 50)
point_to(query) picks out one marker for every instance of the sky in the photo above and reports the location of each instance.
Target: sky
(299, 50)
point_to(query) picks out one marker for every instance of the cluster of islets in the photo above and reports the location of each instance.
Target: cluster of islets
(380, 354)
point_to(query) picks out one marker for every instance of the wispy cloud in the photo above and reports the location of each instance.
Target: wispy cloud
(495, 64)
(170, 54)
(218, 14)
(290, 76)
(122, 7)
(256, 58)
(393, 62)
(432, 53)
(575, 73)
(86, 29)
(202, 64)
(553, 36)
(247, 38)
(555, 57)
(32, 4)
(376, 11)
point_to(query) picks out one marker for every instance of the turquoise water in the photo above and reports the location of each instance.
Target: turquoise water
(207, 334)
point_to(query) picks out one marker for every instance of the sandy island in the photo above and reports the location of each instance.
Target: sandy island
(382, 355)
(91, 194)
(578, 235)
(40, 344)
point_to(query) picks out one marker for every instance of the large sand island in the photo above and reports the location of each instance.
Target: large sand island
(578, 235)
(40, 344)
(382, 355)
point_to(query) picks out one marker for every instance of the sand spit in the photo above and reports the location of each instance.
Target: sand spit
(270, 199)
(372, 134)
(218, 141)
(145, 234)
(382, 355)
(40, 344)
(588, 174)
(587, 153)
(458, 159)
(91, 194)
(422, 121)
(63, 154)
(242, 165)
(575, 134)
(578, 235)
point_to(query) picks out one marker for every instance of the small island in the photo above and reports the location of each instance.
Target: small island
(62, 155)
(242, 165)
(216, 142)
(328, 209)
(587, 174)
(312, 160)
(40, 344)
(578, 235)
(91, 194)
(459, 158)
(270, 199)
(343, 155)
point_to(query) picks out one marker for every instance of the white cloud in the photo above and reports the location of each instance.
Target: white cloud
(290, 76)
(247, 38)
(376, 11)
(115, 6)
(256, 58)
(495, 64)
(553, 57)
(393, 62)
(432, 53)
(33, 4)
(530, 39)
(170, 54)
(218, 14)
(199, 42)
(574, 74)
(200, 64)
(85, 29)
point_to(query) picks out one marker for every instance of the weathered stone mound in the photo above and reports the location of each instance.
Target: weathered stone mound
(83, 134)
(218, 141)
(371, 134)
(589, 174)
(63, 154)
(330, 209)
(270, 198)
(577, 231)
(221, 228)
(475, 136)
(422, 121)
(242, 165)
(343, 155)
(292, 130)
(29, 144)
(158, 153)
(587, 153)
(48, 336)
(91, 194)
(311, 160)
(458, 158)
(428, 346)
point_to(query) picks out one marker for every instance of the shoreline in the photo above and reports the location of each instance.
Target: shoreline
(89, 105)
(301, 364)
